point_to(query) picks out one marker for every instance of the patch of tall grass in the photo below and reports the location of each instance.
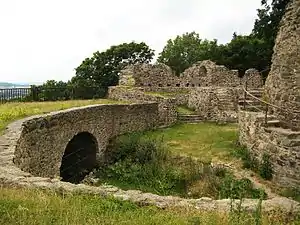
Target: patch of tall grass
(146, 163)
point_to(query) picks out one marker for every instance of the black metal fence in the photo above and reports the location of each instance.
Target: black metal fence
(40, 93)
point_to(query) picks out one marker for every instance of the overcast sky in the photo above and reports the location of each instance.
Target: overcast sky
(47, 39)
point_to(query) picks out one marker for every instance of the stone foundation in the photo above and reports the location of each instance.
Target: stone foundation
(10, 175)
(215, 103)
(280, 144)
(167, 114)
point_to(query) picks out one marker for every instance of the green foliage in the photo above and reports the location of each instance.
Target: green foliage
(103, 68)
(142, 163)
(238, 189)
(249, 162)
(244, 52)
(265, 169)
(293, 193)
(32, 206)
(185, 50)
(139, 162)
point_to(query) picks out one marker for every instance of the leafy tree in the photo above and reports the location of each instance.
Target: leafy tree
(244, 52)
(103, 68)
(269, 17)
(53, 90)
(267, 24)
(185, 50)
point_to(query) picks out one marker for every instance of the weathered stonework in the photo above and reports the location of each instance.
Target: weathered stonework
(282, 145)
(201, 74)
(283, 82)
(43, 139)
(215, 103)
(11, 175)
(253, 78)
(167, 114)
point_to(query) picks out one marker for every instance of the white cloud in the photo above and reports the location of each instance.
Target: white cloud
(47, 39)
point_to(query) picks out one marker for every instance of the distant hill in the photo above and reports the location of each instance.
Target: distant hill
(11, 85)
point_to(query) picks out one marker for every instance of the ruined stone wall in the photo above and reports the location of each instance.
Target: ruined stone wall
(201, 74)
(167, 114)
(43, 139)
(254, 79)
(215, 103)
(12, 176)
(280, 145)
(283, 82)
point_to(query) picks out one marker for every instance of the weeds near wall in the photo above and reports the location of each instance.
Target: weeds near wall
(263, 168)
(142, 162)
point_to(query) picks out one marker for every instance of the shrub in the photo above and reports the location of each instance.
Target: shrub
(249, 161)
(142, 162)
(238, 189)
(265, 168)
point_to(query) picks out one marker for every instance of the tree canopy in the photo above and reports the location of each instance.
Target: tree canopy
(185, 50)
(103, 68)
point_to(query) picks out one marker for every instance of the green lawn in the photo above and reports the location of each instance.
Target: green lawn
(207, 141)
(22, 206)
(184, 110)
(17, 110)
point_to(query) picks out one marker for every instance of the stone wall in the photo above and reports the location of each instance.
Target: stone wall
(167, 114)
(43, 139)
(215, 103)
(282, 146)
(254, 79)
(283, 82)
(12, 176)
(204, 73)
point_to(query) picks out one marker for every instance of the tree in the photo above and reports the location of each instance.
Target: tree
(244, 52)
(185, 50)
(268, 22)
(103, 68)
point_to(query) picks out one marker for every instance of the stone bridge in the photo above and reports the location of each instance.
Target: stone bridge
(70, 143)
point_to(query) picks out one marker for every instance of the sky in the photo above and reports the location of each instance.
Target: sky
(47, 39)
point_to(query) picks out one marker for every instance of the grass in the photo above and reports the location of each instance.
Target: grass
(17, 110)
(23, 206)
(136, 161)
(184, 110)
(206, 141)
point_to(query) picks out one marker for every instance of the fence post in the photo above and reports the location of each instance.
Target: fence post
(34, 93)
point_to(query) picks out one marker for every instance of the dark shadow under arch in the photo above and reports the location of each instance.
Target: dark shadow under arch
(203, 71)
(79, 158)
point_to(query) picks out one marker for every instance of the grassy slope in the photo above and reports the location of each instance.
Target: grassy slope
(202, 140)
(12, 111)
(41, 207)
(207, 141)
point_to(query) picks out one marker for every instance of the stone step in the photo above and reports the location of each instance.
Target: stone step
(285, 132)
(191, 121)
(249, 101)
(273, 123)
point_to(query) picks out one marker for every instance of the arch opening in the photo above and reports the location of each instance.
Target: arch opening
(203, 71)
(79, 158)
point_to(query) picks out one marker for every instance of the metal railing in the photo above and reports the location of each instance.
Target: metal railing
(40, 93)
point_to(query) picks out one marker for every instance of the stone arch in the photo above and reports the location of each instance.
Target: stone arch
(203, 71)
(79, 158)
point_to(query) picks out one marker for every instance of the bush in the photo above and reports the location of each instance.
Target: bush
(249, 162)
(140, 162)
(238, 189)
(265, 168)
